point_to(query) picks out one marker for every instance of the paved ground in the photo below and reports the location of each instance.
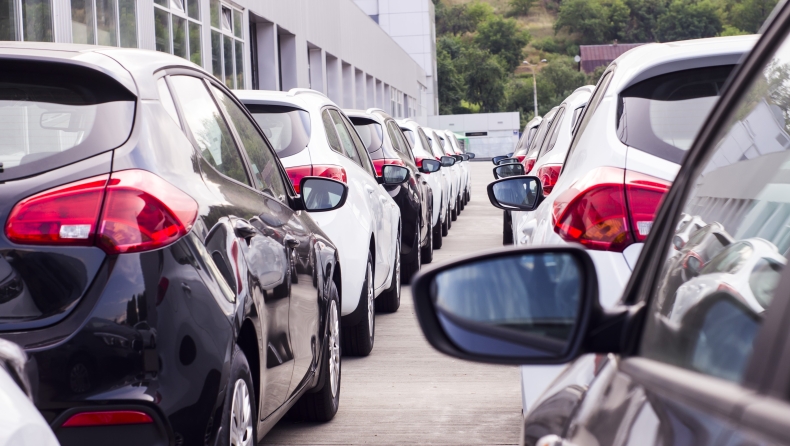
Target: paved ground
(407, 393)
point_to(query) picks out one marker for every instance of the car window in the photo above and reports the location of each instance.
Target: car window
(362, 152)
(265, 172)
(426, 145)
(331, 133)
(167, 99)
(575, 118)
(711, 298)
(288, 129)
(543, 128)
(409, 134)
(589, 110)
(394, 140)
(548, 144)
(344, 137)
(370, 133)
(211, 133)
(398, 134)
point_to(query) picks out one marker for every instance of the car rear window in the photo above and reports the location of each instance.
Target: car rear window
(663, 114)
(49, 120)
(287, 128)
(535, 144)
(370, 132)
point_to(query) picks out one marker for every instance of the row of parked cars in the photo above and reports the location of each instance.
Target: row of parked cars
(646, 292)
(181, 264)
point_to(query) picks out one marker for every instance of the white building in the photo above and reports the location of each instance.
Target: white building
(328, 45)
(489, 134)
(412, 24)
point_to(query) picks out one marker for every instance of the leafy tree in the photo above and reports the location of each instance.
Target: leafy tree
(520, 7)
(749, 15)
(587, 19)
(484, 77)
(730, 30)
(451, 82)
(618, 15)
(503, 38)
(687, 19)
(479, 12)
(519, 97)
(642, 20)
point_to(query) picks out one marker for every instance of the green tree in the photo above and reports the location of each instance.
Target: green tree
(618, 16)
(503, 38)
(556, 81)
(460, 19)
(484, 77)
(749, 15)
(586, 19)
(519, 7)
(688, 19)
(519, 97)
(642, 20)
(451, 82)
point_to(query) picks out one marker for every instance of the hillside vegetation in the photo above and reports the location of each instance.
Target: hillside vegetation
(481, 45)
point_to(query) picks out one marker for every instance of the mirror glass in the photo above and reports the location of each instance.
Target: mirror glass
(429, 166)
(513, 305)
(497, 159)
(394, 174)
(471, 155)
(508, 170)
(447, 161)
(321, 194)
(520, 193)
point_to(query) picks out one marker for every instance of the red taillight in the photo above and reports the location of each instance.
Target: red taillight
(379, 164)
(596, 213)
(327, 171)
(548, 175)
(529, 164)
(108, 418)
(520, 158)
(140, 212)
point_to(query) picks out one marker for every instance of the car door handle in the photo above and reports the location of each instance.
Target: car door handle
(291, 242)
(369, 189)
(244, 230)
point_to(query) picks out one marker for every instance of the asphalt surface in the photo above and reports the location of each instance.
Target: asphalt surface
(406, 392)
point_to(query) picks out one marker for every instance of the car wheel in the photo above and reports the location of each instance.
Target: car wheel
(239, 426)
(322, 403)
(454, 212)
(358, 339)
(389, 301)
(507, 228)
(410, 268)
(445, 221)
(462, 201)
(449, 218)
(427, 250)
(438, 232)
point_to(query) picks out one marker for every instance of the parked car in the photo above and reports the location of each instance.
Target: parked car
(312, 137)
(550, 156)
(440, 187)
(711, 376)
(466, 178)
(527, 135)
(21, 423)
(460, 171)
(386, 144)
(165, 277)
(453, 175)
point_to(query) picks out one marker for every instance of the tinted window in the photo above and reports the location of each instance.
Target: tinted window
(707, 319)
(543, 128)
(549, 142)
(662, 115)
(364, 157)
(393, 135)
(209, 130)
(588, 111)
(576, 113)
(426, 145)
(331, 133)
(409, 134)
(167, 99)
(396, 133)
(370, 133)
(344, 137)
(47, 121)
(287, 128)
(265, 172)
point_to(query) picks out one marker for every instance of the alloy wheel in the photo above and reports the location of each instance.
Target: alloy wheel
(371, 301)
(241, 415)
(334, 349)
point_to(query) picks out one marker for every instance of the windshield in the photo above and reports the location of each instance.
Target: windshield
(48, 121)
(287, 128)
(663, 114)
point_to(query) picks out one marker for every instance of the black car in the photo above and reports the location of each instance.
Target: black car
(156, 264)
(715, 374)
(387, 145)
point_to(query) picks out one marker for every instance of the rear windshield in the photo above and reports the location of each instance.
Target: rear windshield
(287, 128)
(48, 120)
(663, 114)
(371, 133)
(410, 136)
(534, 145)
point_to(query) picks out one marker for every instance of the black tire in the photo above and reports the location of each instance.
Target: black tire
(239, 371)
(454, 212)
(507, 228)
(322, 402)
(411, 267)
(427, 250)
(462, 201)
(438, 231)
(358, 339)
(445, 221)
(389, 300)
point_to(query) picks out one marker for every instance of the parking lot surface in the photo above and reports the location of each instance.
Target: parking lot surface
(405, 392)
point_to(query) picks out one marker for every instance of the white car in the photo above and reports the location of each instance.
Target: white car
(551, 155)
(520, 151)
(460, 173)
(466, 176)
(628, 144)
(421, 149)
(453, 174)
(21, 424)
(313, 137)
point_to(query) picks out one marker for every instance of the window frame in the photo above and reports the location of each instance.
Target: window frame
(175, 12)
(228, 32)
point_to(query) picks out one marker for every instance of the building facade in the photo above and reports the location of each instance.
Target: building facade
(328, 45)
(488, 134)
(412, 24)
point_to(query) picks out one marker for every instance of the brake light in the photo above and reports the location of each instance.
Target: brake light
(295, 174)
(520, 158)
(128, 211)
(608, 209)
(529, 164)
(548, 175)
(379, 164)
(108, 418)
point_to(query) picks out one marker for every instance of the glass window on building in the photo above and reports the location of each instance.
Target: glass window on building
(104, 22)
(227, 44)
(28, 20)
(177, 28)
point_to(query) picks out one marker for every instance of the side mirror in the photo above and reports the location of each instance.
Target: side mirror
(448, 161)
(430, 166)
(508, 170)
(465, 157)
(393, 175)
(471, 155)
(526, 306)
(499, 158)
(322, 194)
(510, 154)
(507, 161)
(516, 193)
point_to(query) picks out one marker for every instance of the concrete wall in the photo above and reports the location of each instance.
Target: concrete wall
(501, 130)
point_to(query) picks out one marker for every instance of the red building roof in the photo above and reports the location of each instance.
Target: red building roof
(593, 56)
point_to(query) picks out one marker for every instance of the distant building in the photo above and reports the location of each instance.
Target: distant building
(485, 134)
(594, 56)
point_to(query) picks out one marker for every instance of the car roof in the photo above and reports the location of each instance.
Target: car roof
(655, 59)
(300, 97)
(579, 97)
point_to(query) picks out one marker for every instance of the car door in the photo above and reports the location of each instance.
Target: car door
(710, 365)
(246, 238)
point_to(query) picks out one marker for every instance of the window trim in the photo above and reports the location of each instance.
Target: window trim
(223, 32)
(183, 15)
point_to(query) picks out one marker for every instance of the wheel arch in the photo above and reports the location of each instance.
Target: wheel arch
(248, 343)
